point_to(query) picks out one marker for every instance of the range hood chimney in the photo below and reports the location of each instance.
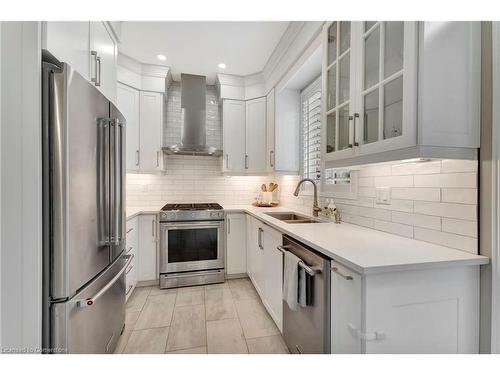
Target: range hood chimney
(194, 128)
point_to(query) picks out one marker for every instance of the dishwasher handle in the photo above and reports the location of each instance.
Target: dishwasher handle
(310, 270)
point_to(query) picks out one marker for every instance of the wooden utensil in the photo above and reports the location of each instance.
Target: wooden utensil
(264, 188)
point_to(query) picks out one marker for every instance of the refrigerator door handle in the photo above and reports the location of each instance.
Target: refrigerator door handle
(120, 157)
(117, 182)
(88, 302)
(103, 181)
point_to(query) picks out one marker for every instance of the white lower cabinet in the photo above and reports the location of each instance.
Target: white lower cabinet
(345, 310)
(415, 311)
(132, 244)
(255, 254)
(273, 275)
(265, 266)
(236, 244)
(147, 253)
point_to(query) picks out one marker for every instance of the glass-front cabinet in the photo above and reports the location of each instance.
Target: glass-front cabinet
(369, 75)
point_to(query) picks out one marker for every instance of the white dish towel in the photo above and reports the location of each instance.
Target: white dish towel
(291, 280)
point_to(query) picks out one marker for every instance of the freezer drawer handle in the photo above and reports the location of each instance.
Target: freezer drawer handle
(310, 270)
(90, 301)
(336, 270)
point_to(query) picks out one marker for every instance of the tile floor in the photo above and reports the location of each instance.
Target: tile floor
(214, 319)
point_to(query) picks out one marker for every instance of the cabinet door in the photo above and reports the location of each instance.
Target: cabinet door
(233, 114)
(273, 274)
(128, 103)
(146, 254)
(236, 244)
(270, 111)
(386, 90)
(253, 250)
(338, 99)
(103, 60)
(256, 156)
(69, 43)
(150, 131)
(345, 310)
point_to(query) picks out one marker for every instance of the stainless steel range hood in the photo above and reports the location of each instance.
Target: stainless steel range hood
(194, 125)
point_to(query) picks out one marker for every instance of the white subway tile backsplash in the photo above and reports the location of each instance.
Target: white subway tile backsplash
(417, 220)
(452, 166)
(395, 228)
(432, 201)
(456, 241)
(394, 181)
(465, 196)
(417, 194)
(451, 210)
(375, 213)
(448, 180)
(463, 227)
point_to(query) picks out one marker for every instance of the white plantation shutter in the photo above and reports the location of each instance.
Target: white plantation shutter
(311, 130)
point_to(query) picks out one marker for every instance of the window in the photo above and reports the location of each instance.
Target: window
(310, 99)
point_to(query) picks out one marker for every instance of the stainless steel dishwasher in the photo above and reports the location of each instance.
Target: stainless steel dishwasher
(307, 330)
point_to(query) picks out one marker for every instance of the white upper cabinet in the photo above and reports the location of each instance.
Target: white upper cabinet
(150, 120)
(373, 95)
(255, 139)
(103, 56)
(270, 117)
(233, 119)
(449, 83)
(88, 47)
(386, 91)
(128, 103)
(69, 43)
(370, 84)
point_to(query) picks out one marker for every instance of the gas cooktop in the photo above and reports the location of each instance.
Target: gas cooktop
(191, 206)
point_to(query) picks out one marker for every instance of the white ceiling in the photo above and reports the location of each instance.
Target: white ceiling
(198, 47)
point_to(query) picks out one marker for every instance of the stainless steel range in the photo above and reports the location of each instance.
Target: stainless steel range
(191, 244)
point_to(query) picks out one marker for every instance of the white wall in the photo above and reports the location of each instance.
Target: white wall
(21, 224)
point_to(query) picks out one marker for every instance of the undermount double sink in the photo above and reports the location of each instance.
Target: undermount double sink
(293, 218)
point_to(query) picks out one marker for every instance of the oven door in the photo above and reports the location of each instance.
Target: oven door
(191, 246)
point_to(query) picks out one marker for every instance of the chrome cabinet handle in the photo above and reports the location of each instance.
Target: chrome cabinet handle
(246, 161)
(227, 161)
(356, 115)
(137, 157)
(157, 159)
(271, 158)
(153, 222)
(261, 231)
(351, 118)
(130, 230)
(94, 79)
(88, 302)
(346, 277)
(228, 226)
(98, 76)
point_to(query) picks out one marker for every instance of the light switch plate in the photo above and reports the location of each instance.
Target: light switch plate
(383, 195)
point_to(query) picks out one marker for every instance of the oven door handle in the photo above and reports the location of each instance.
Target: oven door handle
(193, 225)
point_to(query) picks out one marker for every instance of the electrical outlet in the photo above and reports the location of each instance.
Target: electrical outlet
(383, 195)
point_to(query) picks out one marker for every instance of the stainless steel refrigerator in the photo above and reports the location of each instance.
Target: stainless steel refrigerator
(84, 214)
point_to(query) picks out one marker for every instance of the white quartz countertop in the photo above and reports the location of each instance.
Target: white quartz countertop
(362, 249)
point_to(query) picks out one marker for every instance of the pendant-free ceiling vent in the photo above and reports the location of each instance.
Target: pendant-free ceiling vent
(194, 126)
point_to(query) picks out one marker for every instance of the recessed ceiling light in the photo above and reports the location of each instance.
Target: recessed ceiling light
(222, 66)
(161, 57)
